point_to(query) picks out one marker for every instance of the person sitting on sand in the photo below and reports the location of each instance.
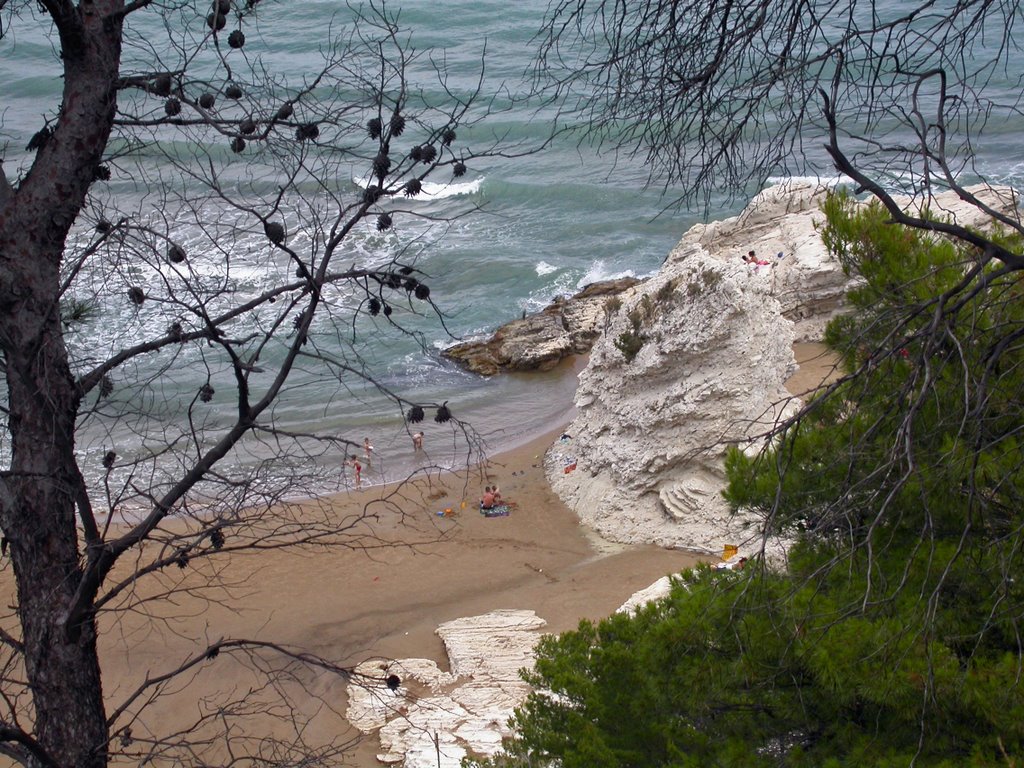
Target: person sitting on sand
(487, 500)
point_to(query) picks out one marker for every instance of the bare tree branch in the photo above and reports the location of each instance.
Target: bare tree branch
(222, 255)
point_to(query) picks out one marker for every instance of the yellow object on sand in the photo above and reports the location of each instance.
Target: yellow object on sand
(729, 550)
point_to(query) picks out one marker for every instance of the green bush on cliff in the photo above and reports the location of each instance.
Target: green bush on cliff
(894, 636)
(632, 340)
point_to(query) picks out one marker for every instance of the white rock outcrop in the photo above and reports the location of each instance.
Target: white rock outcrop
(656, 591)
(428, 718)
(783, 219)
(648, 442)
(694, 360)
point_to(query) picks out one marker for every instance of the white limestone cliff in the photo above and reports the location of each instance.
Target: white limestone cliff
(648, 442)
(645, 458)
(807, 283)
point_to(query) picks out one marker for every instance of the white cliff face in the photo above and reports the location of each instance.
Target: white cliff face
(647, 446)
(651, 432)
(808, 284)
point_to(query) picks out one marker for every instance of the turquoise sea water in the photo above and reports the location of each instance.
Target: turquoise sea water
(548, 224)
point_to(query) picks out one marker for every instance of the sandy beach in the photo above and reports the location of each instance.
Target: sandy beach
(387, 601)
(349, 606)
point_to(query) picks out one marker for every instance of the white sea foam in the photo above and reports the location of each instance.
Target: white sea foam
(568, 282)
(543, 268)
(599, 270)
(902, 183)
(825, 181)
(434, 190)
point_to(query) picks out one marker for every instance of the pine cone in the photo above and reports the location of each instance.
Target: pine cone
(274, 232)
(397, 124)
(381, 165)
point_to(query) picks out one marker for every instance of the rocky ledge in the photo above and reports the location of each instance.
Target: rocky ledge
(568, 326)
(695, 360)
(428, 718)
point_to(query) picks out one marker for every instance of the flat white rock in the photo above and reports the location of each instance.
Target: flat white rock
(435, 718)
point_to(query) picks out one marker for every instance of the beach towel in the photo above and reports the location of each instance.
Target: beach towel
(498, 510)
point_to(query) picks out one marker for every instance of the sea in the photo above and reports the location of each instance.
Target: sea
(506, 238)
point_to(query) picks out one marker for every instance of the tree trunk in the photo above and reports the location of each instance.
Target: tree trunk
(39, 513)
(63, 670)
(37, 509)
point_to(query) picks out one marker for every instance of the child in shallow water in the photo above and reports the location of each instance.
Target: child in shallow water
(353, 461)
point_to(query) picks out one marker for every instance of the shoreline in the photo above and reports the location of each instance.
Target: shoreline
(540, 527)
(558, 378)
(385, 602)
